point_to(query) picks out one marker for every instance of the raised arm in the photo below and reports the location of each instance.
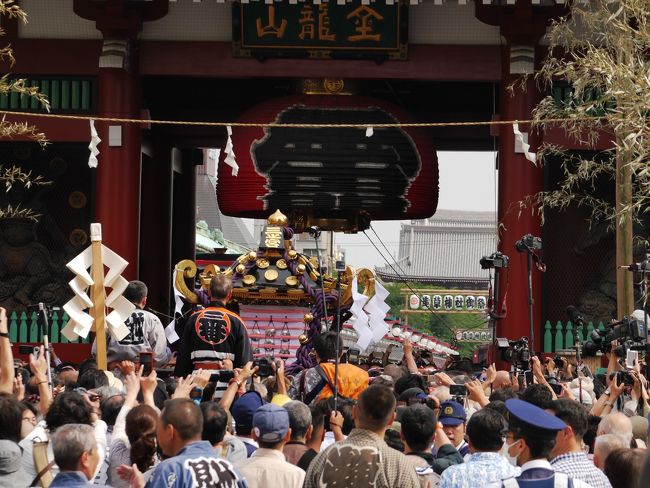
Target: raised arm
(6, 356)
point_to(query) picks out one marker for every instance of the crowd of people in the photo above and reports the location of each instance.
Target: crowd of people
(229, 422)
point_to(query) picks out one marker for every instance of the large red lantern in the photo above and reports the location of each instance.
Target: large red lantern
(337, 178)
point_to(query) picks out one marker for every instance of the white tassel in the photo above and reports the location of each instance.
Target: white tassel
(230, 153)
(94, 142)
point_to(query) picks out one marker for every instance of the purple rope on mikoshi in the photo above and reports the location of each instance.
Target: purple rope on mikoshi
(303, 360)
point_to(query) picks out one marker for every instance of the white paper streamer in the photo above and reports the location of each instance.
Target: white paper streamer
(230, 153)
(122, 309)
(369, 131)
(115, 265)
(530, 156)
(170, 330)
(81, 322)
(376, 308)
(94, 142)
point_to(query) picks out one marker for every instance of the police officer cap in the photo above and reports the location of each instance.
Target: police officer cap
(533, 415)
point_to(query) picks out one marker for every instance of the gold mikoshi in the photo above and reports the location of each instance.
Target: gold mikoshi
(271, 275)
(249, 280)
(300, 268)
(252, 256)
(281, 264)
(303, 338)
(262, 263)
(240, 268)
(314, 261)
(292, 254)
(307, 318)
(291, 281)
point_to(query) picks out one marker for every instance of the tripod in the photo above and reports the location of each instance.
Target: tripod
(528, 244)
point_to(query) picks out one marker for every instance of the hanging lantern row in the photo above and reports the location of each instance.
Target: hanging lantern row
(447, 302)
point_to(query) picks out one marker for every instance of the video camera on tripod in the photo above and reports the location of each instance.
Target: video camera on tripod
(494, 260)
(516, 352)
(528, 243)
(632, 332)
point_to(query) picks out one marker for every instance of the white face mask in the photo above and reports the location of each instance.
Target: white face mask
(505, 452)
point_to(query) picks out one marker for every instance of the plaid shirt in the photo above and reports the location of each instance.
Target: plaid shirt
(578, 466)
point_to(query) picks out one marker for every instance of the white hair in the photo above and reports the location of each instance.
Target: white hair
(617, 423)
(69, 442)
(606, 443)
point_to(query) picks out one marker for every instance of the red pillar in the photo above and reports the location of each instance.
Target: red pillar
(117, 190)
(518, 179)
(117, 194)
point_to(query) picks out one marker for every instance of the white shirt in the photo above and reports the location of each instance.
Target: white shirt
(40, 434)
(269, 468)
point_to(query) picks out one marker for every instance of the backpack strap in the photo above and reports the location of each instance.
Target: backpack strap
(309, 397)
(510, 483)
(44, 477)
(561, 480)
(327, 382)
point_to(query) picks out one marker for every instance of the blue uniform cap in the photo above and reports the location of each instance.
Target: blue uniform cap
(451, 413)
(533, 415)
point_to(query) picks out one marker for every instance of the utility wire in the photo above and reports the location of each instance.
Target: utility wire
(401, 278)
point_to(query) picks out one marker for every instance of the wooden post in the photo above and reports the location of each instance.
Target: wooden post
(98, 295)
(624, 256)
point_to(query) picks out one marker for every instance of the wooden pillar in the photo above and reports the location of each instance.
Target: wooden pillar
(156, 224)
(117, 191)
(117, 194)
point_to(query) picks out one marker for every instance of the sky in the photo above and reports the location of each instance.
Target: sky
(467, 181)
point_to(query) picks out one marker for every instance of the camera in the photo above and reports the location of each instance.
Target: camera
(623, 378)
(528, 243)
(457, 390)
(494, 260)
(353, 355)
(146, 360)
(222, 375)
(632, 332)
(515, 352)
(265, 367)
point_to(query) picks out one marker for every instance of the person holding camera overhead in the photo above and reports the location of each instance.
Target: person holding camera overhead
(214, 334)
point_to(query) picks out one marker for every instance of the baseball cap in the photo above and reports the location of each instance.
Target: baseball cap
(270, 423)
(452, 413)
(244, 408)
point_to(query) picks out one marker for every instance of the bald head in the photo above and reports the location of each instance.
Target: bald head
(618, 424)
(502, 380)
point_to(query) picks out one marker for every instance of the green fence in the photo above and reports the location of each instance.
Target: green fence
(24, 327)
(561, 337)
